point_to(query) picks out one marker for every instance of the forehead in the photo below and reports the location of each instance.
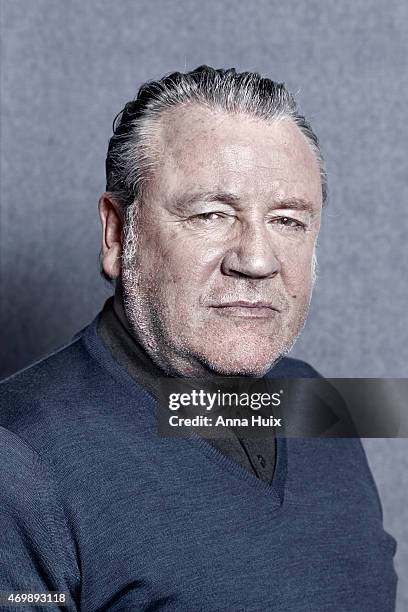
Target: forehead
(202, 149)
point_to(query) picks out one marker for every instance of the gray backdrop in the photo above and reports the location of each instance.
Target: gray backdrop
(67, 68)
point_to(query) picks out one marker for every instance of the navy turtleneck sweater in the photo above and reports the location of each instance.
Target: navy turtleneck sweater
(257, 455)
(95, 505)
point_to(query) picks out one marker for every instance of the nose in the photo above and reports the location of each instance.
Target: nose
(252, 255)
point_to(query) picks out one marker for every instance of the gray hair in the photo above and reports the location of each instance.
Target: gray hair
(130, 158)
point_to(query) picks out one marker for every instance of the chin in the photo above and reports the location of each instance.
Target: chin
(241, 352)
(240, 364)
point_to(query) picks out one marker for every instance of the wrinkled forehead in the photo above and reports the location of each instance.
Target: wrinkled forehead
(198, 148)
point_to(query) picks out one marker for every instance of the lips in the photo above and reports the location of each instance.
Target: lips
(246, 304)
(242, 308)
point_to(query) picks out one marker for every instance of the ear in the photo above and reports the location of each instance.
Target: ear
(112, 228)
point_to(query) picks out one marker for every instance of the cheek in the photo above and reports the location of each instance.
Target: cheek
(186, 262)
(296, 271)
(175, 279)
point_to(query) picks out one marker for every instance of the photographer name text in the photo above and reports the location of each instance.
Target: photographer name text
(221, 421)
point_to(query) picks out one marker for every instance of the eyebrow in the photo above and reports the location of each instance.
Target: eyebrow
(232, 199)
(206, 196)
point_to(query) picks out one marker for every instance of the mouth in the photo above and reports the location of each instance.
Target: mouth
(247, 310)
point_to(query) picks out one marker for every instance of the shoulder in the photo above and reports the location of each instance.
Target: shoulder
(292, 368)
(57, 375)
(73, 399)
(46, 396)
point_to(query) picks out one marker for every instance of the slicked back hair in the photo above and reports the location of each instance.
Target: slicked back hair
(131, 157)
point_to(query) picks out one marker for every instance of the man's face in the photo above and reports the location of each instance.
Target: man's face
(222, 272)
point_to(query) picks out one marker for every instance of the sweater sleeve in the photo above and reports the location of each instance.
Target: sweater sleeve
(36, 554)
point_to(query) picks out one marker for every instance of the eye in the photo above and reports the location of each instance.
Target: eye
(288, 222)
(208, 216)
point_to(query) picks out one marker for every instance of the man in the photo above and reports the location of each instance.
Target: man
(215, 186)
